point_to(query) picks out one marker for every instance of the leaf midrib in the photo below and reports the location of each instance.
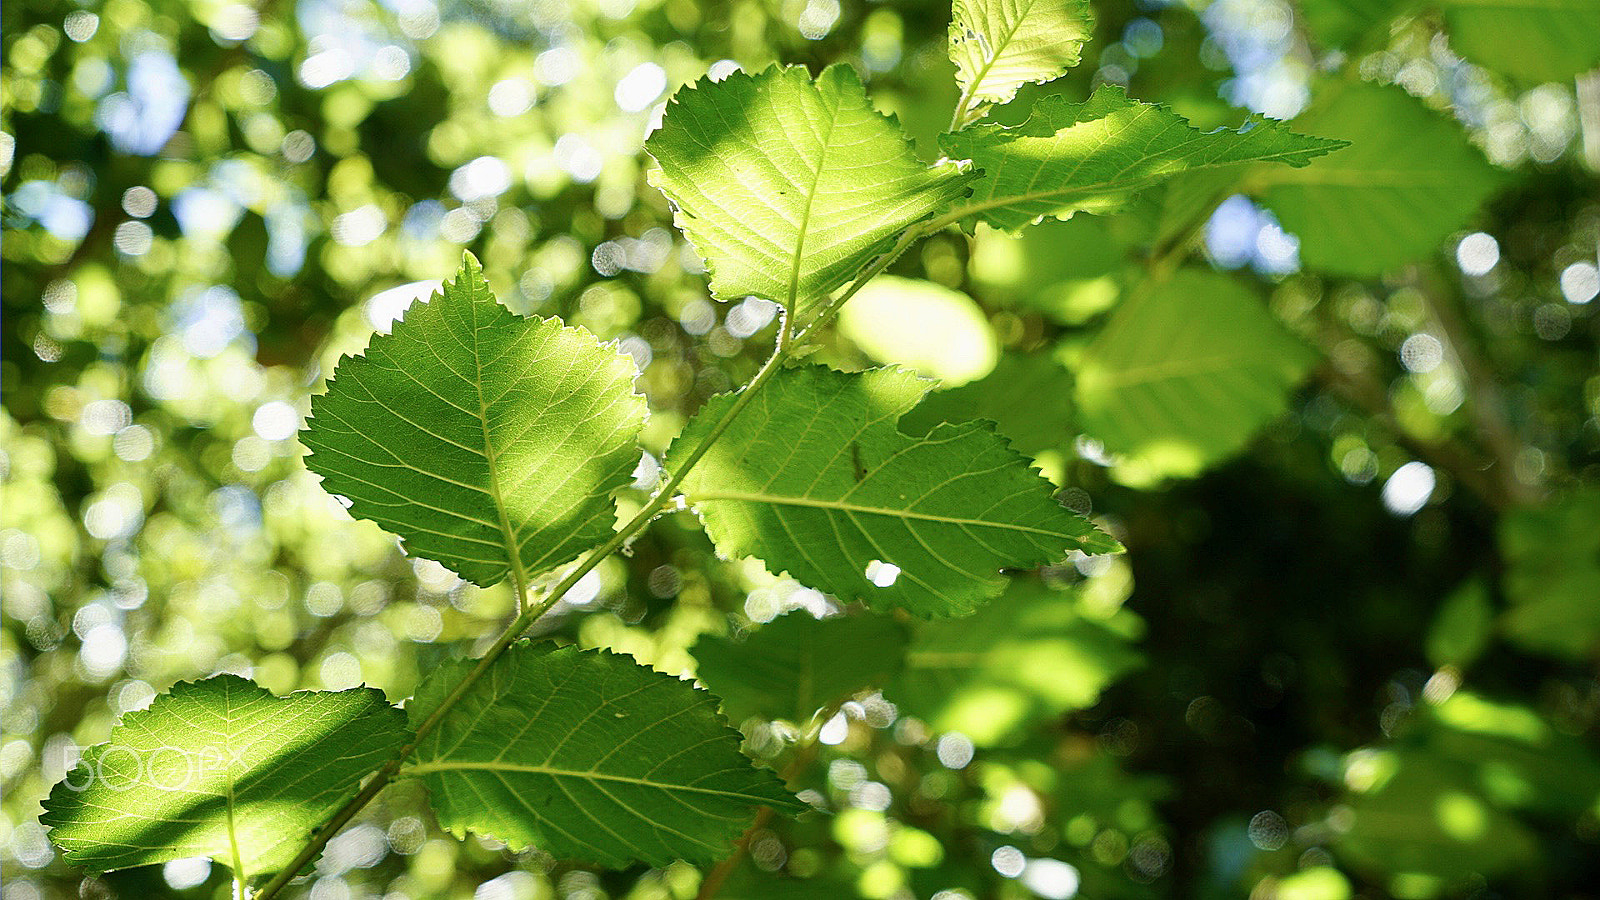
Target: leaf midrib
(1062, 195)
(491, 459)
(841, 506)
(582, 774)
(805, 214)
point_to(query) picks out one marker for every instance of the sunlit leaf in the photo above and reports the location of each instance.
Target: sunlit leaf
(488, 441)
(1184, 374)
(1028, 655)
(1001, 45)
(814, 479)
(1408, 180)
(798, 664)
(788, 186)
(224, 769)
(588, 755)
(952, 341)
(1093, 156)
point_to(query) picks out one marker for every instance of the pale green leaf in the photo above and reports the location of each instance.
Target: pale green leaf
(798, 664)
(1407, 181)
(813, 478)
(1000, 45)
(788, 186)
(488, 441)
(952, 341)
(1184, 374)
(224, 769)
(1094, 156)
(1029, 655)
(588, 755)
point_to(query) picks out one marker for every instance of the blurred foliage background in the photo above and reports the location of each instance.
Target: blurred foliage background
(1356, 655)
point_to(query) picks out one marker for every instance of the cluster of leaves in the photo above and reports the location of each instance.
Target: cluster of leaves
(505, 447)
(494, 445)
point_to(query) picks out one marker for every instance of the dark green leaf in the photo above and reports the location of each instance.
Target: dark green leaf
(588, 755)
(798, 664)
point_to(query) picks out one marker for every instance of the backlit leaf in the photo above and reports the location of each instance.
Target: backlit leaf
(224, 769)
(488, 441)
(788, 186)
(1001, 45)
(1093, 156)
(588, 755)
(1028, 655)
(1408, 179)
(813, 478)
(1184, 374)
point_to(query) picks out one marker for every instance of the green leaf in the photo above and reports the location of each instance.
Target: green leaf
(787, 186)
(1340, 23)
(490, 442)
(1093, 156)
(588, 755)
(952, 341)
(1552, 576)
(221, 768)
(1028, 397)
(1530, 40)
(813, 478)
(1001, 45)
(1461, 628)
(1184, 375)
(1406, 181)
(798, 664)
(1027, 656)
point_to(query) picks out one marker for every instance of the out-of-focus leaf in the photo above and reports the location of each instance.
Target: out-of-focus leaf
(1552, 576)
(951, 341)
(1184, 374)
(1421, 816)
(1094, 156)
(1338, 23)
(1027, 396)
(588, 755)
(488, 441)
(1462, 627)
(1026, 656)
(224, 769)
(1530, 40)
(1001, 45)
(1406, 181)
(814, 479)
(787, 186)
(797, 664)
